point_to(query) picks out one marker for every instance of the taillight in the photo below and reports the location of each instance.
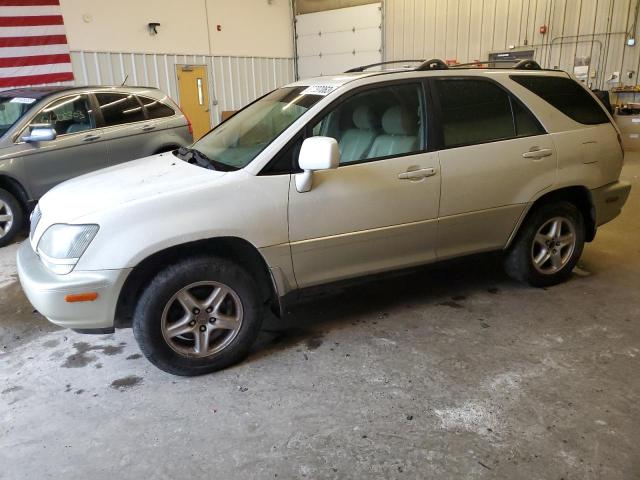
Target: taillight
(189, 126)
(620, 143)
(188, 123)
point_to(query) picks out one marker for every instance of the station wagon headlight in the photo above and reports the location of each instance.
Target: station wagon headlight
(61, 246)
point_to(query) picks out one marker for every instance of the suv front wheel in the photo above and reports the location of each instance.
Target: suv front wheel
(547, 246)
(198, 316)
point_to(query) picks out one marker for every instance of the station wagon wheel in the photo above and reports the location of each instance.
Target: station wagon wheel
(11, 217)
(553, 245)
(548, 244)
(202, 319)
(198, 315)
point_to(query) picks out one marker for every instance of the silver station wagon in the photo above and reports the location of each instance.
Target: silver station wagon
(51, 134)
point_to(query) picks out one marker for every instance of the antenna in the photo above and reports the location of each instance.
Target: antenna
(125, 80)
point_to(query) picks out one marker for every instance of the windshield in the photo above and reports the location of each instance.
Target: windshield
(11, 110)
(236, 142)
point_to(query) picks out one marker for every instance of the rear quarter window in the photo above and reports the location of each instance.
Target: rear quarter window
(155, 108)
(565, 95)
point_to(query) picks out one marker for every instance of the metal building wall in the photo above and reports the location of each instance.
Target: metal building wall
(233, 81)
(468, 30)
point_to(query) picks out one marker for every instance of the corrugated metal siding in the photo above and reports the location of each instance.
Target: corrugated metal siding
(233, 81)
(468, 30)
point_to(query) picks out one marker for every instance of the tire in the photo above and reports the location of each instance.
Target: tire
(166, 332)
(11, 217)
(559, 249)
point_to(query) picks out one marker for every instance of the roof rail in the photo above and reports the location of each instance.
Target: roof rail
(524, 64)
(433, 64)
(371, 65)
(437, 64)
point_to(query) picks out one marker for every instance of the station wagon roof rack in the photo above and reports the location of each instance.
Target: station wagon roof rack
(371, 65)
(438, 64)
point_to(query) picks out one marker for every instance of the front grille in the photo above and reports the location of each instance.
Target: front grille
(35, 219)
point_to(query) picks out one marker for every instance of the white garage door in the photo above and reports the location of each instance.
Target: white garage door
(333, 41)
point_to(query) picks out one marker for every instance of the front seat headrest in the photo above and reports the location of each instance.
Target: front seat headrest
(398, 121)
(363, 118)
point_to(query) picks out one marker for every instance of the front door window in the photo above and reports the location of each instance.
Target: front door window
(67, 115)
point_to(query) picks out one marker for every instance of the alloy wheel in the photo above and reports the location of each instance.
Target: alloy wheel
(202, 319)
(553, 245)
(6, 218)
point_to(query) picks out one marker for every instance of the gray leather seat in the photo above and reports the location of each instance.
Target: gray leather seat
(355, 142)
(400, 134)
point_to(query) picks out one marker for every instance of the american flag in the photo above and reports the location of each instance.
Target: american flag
(33, 43)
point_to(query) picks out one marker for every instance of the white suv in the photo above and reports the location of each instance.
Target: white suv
(323, 180)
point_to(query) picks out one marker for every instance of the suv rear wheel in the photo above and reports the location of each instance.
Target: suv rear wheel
(547, 246)
(11, 217)
(198, 316)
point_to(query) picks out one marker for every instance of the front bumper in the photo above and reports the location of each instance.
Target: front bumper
(46, 291)
(609, 199)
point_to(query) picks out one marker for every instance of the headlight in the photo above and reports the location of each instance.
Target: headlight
(61, 246)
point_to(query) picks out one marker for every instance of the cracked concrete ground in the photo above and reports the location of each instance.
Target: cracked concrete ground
(453, 371)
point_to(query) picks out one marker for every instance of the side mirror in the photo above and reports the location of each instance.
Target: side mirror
(40, 133)
(316, 153)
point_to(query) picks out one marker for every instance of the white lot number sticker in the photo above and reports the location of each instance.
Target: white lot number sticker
(22, 100)
(635, 120)
(318, 90)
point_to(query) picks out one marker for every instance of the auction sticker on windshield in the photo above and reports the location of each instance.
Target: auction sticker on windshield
(22, 100)
(318, 90)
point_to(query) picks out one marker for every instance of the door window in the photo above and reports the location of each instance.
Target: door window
(119, 108)
(479, 111)
(155, 108)
(379, 123)
(67, 115)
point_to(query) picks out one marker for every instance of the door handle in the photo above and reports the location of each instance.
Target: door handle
(148, 128)
(417, 174)
(537, 152)
(90, 138)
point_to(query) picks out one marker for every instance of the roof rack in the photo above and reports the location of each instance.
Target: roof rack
(437, 64)
(371, 65)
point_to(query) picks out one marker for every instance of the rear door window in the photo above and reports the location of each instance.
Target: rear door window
(155, 108)
(67, 115)
(565, 95)
(476, 111)
(119, 108)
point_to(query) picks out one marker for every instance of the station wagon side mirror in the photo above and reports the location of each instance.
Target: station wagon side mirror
(40, 133)
(316, 153)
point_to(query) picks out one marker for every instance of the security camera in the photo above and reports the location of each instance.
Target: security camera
(153, 27)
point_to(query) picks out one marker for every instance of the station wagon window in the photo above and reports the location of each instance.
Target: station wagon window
(565, 95)
(119, 108)
(155, 108)
(378, 123)
(67, 115)
(478, 111)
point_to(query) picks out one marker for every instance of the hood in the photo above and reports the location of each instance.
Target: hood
(157, 175)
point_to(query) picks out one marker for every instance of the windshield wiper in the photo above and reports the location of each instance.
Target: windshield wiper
(194, 156)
